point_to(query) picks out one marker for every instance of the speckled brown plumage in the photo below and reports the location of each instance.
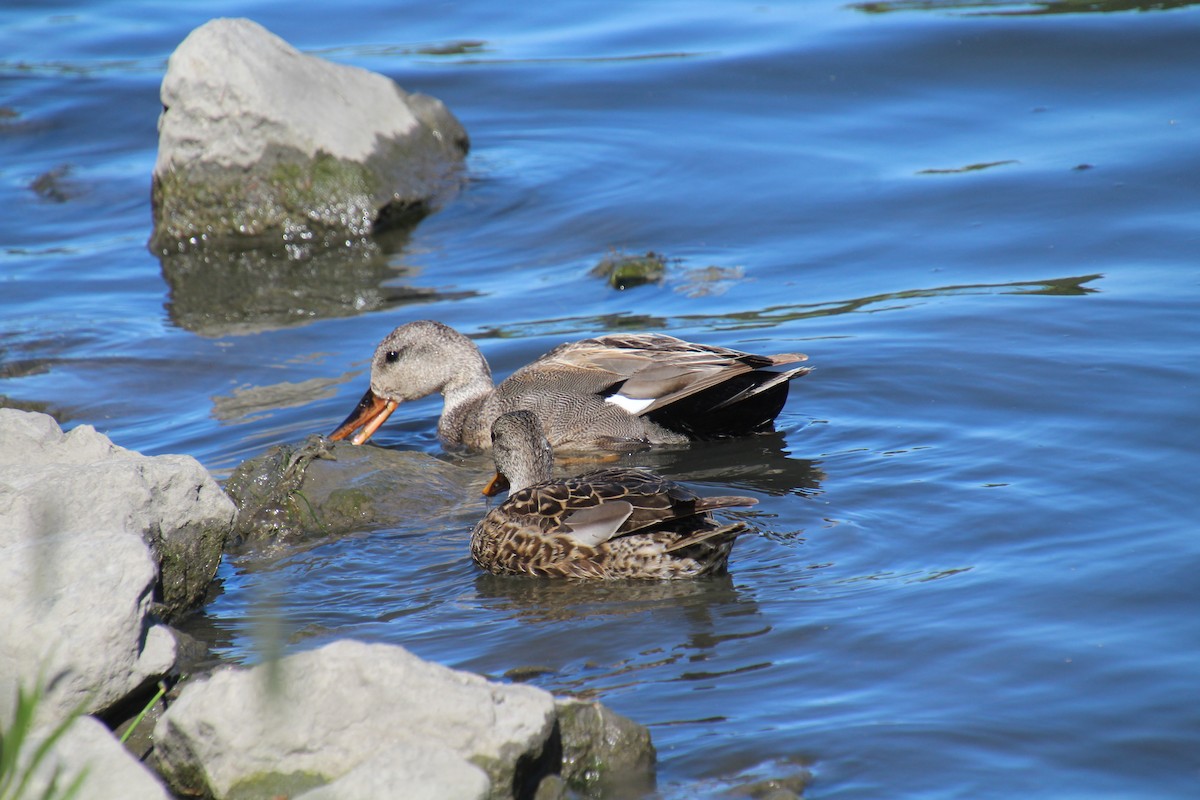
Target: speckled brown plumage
(611, 523)
(620, 392)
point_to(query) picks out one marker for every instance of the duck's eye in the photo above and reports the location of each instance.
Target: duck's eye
(392, 356)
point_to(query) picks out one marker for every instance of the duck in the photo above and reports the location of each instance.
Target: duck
(611, 523)
(620, 392)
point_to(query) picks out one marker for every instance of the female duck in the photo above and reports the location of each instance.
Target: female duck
(621, 392)
(612, 523)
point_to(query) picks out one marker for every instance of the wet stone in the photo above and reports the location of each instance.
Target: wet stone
(623, 271)
(604, 752)
(528, 673)
(320, 488)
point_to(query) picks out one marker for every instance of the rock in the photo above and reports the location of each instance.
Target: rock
(552, 787)
(51, 483)
(313, 717)
(623, 271)
(790, 788)
(604, 751)
(111, 773)
(258, 141)
(427, 772)
(75, 618)
(324, 488)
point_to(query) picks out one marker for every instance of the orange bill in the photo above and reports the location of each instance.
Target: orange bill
(371, 412)
(495, 486)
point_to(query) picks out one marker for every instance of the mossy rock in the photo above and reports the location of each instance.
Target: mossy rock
(623, 271)
(320, 488)
(603, 751)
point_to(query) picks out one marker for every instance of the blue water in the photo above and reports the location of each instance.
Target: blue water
(974, 572)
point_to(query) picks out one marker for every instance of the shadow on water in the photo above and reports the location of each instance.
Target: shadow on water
(219, 291)
(1014, 9)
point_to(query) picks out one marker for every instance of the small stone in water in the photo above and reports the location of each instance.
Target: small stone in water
(528, 673)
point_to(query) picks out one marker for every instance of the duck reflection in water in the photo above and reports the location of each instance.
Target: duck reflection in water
(585, 638)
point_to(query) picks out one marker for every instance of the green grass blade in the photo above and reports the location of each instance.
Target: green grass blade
(162, 689)
(14, 780)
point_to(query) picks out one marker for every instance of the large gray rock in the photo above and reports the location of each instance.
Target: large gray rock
(426, 772)
(74, 618)
(314, 717)
(80, 482)
(110, 772)
(259, 141)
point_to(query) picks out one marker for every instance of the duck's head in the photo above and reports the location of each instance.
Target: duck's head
(522, 454)
(413, 361)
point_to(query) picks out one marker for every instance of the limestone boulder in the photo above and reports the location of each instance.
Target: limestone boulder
(88, 753)
(427, 772)
(79, 482)
(313, 718)
(75, 620)
(259, 142)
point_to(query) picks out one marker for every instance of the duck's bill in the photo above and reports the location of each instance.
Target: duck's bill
(496, 485)
(371, 412)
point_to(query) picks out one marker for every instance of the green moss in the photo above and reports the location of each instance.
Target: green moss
(288, 196)
(625, 271)
(499, 774)
(311, 186)
(270, 785)
(188, 560)
(348, 505)
(186, 780)
(604, 750)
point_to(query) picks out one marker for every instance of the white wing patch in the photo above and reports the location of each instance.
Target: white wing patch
(630, 404)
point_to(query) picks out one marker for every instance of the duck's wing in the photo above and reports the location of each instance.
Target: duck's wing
(588, 511)
(645, 372)
(614, 502)
(714, 535)
(599, 523)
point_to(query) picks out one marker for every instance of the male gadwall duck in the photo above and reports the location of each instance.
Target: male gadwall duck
(621, 392)
(611, 523)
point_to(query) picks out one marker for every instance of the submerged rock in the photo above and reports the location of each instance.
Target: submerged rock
(258, 141)
(81, 483)
(324, 488)
(623, 271)
(786, 787)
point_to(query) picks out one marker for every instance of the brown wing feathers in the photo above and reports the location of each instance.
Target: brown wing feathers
(667, 372)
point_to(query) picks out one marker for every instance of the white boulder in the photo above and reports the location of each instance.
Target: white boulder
(79, 482)
(257, 139)
(319, 715)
